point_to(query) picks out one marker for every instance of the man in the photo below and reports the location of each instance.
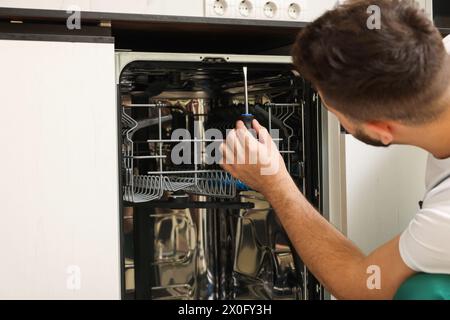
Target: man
(387, 86)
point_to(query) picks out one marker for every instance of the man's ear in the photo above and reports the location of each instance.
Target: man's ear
(380, 130)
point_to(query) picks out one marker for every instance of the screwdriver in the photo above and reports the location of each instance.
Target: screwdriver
(247, 117)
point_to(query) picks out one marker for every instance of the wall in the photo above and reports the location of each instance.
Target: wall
(164, 7)
(383, 188)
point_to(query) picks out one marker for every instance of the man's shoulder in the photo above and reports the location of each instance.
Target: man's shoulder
(437, 173)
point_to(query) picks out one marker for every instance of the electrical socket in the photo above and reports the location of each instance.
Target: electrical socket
(245, 9)
(219, 8)
(294, 10)
(309, 9)
(269, 9)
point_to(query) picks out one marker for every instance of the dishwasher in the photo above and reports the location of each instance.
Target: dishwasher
(189, 229)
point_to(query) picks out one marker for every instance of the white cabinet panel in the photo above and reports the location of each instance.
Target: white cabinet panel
(84, 5)
(128, 6)
(161, 7)
(157, 7)
(383, 188)
(33, 4)
(59, 235)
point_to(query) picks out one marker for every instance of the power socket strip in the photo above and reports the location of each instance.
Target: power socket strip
(281, 10)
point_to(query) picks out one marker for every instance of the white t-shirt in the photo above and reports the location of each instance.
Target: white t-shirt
(425, 244)
(447, 43)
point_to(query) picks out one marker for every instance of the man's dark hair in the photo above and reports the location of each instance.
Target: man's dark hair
(397, 72)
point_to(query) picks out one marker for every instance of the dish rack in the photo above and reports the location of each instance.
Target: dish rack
(153, 185)
(138, 188)
(289, 115)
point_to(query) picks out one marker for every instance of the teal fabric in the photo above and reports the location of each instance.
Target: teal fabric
(424, 286)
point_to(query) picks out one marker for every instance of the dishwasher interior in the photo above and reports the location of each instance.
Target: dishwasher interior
(189, 229)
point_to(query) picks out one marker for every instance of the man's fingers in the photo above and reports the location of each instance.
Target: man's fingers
(233, 146)
(244, 136)
(224, 163)
(241, 146)
(259, 129)
(256, 126)
(263, 135)
(240, 125)
(223, 152)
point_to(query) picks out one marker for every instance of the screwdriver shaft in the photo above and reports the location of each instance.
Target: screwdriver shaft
(245, 89)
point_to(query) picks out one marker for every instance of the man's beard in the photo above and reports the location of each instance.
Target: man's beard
(361, 136)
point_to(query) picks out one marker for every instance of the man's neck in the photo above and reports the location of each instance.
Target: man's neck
(435, 137)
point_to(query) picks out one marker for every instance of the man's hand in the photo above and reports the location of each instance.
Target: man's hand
(338, 264)
(257, 162)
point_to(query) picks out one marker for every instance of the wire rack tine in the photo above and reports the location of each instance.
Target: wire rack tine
(149, 187)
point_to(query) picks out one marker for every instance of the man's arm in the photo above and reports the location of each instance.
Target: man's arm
(335, 261)
(332, 258)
